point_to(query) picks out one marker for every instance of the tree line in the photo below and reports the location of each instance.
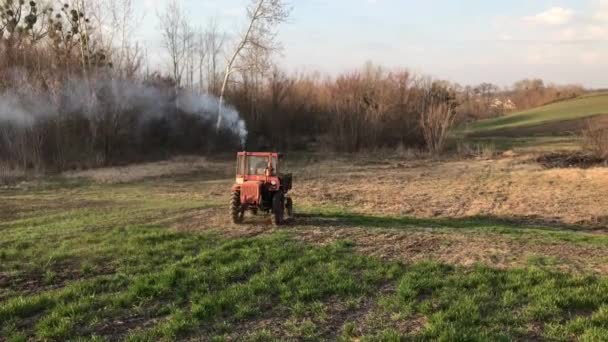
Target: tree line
(77, 90)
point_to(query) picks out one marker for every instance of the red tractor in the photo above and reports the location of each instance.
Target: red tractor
(260, 187)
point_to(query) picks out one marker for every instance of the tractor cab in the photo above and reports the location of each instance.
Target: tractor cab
(252, 165)
(260, 186)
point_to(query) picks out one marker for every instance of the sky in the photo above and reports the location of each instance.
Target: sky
(463, 41)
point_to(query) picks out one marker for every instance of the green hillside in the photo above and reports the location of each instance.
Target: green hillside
(578, 108)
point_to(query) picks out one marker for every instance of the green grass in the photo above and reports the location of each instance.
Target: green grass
(565, 110)
(77, 273)
(485, 304)
(196, 284)
(97, 262)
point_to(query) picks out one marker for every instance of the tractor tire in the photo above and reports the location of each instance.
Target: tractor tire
(236, 210)
(278, 206)
(289, 207)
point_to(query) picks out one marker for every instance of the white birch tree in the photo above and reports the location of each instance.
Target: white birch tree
(259, 35)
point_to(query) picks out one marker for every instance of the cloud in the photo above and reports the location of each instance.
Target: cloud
(554, 16)
(601, 10)
(597, 31)
(591, 57)
(556, 25)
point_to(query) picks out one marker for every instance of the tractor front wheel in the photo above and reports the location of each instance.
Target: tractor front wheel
(236, 210)
(278, 205)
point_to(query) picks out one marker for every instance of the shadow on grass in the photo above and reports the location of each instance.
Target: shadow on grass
(511, 225)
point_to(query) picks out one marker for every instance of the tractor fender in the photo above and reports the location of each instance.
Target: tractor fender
(274, 184)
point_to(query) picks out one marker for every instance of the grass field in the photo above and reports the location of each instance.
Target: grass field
(564, 111)
(157, 259)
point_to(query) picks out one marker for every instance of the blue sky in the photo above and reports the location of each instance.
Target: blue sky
(465, 41)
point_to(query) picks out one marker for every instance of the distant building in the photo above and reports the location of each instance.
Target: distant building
(503, 105)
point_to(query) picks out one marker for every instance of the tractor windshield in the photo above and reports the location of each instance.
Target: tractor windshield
(257, 165)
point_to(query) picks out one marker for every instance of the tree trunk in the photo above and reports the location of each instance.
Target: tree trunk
(245, 39)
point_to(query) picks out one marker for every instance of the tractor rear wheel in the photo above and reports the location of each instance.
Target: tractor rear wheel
(278, 205)
(289, 207)
(236, 210)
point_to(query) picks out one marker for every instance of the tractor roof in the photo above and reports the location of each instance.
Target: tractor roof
(259, 154)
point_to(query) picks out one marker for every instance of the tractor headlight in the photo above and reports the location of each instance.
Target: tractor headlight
(273, 182)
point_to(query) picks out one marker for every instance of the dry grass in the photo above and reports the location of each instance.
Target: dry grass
(510, 187)
(479, 150)
(9, 174)
(513, 188)
(175, 167)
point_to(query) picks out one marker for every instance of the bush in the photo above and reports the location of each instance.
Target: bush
(9, 174)
(436, 122)
(595, 140)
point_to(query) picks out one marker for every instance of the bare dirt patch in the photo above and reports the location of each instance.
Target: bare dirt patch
(118, 328)
(215, 220)
(571, 160)
(34, 282)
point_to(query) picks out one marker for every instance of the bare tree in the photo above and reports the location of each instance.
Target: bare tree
(172, 23)
(214, 45)
(81, 24)
(264, 16)
(127, 56)
(201, 55)
(190, 50)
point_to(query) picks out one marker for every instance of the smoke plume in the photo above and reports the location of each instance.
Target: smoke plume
(193, 103)
(27, 105)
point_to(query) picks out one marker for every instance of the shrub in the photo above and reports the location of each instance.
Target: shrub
(436, 122)
(595, 140)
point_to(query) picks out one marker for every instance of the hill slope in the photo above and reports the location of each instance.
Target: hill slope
(544, 119)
